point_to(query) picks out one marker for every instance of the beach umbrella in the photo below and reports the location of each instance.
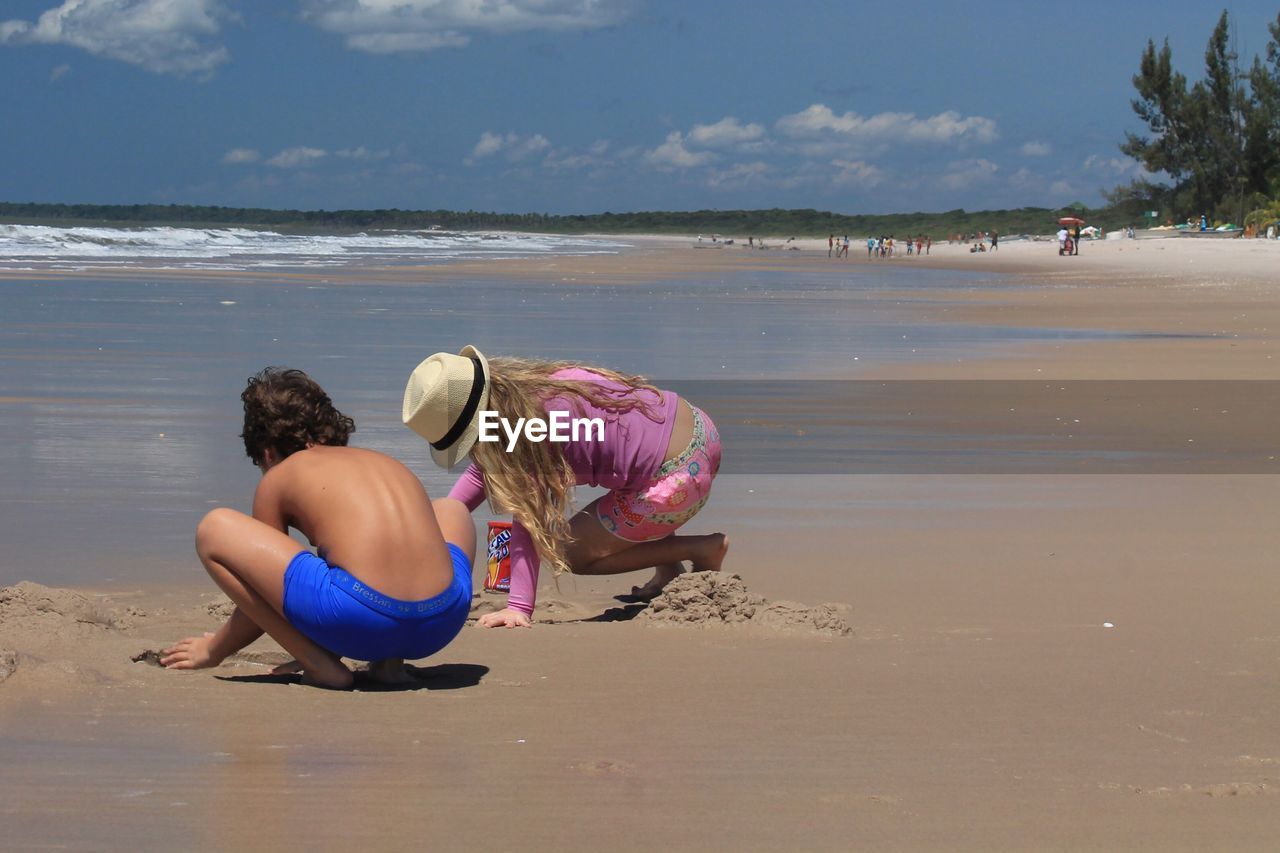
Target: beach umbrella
(1070, 220)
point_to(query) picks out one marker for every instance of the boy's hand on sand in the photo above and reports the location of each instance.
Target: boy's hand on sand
(191, 653)
(507, 618)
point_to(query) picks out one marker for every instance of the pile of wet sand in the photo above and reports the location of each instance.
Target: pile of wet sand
(716, 598)
(31, 605)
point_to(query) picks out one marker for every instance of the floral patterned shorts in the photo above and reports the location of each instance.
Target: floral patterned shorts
(674, 495)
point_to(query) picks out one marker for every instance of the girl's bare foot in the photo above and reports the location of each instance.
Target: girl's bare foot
(710, 552)
(662, 575)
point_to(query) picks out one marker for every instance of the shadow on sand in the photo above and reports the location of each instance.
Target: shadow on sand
(445, 676)
(625, 613)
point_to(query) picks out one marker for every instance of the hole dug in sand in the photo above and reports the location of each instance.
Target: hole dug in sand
(716, 598)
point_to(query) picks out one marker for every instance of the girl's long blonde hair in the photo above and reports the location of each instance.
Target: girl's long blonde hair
(534, 482)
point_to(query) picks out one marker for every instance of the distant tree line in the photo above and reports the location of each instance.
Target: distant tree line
(1217, 140)
(774, 223)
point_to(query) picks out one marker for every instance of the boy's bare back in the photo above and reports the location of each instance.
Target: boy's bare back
(364, 512)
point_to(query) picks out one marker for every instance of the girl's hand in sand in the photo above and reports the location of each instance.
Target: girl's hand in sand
(191, 653)
(507, 618)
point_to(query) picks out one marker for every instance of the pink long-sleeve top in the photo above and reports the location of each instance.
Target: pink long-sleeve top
(633, 449)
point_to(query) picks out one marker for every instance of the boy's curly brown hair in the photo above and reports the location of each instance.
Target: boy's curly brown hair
(285, 410)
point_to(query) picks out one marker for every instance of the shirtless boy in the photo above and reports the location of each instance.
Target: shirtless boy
(391, 578)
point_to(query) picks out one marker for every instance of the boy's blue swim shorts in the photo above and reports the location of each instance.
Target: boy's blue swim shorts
(349, 618)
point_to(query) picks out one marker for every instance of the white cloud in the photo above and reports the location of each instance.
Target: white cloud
(241, 155)
(820, 122)
(856, 173)
(292, 158)
(727, 131)
(394, 26)
(489, 144)
(965, 173)
(1035, 149)
(1112, 167)
(673, 154)
(596, 155)
(59, 72)
(513, 146)
(738, 175)
(566, 160)
(362, 153)
(162, 36)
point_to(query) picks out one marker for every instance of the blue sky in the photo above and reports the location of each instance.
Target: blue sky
(580, 106)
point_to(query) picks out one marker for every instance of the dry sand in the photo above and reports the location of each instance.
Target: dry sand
(1035, 662)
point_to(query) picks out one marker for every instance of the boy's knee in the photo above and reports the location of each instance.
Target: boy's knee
(213, 528)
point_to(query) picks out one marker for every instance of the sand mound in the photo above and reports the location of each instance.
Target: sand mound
(789, 615)
(31, 601)
(220, 608)
(711, 598)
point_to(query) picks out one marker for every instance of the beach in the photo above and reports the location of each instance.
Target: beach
(1061, 620)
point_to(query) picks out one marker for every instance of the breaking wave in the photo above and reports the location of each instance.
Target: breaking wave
(44, 247)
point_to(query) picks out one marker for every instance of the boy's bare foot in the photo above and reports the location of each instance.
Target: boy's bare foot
(329, 672)
(391, 671)
(710, 552)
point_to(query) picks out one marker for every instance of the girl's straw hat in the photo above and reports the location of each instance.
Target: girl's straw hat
(442, 402)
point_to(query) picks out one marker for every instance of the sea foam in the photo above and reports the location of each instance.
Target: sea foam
(22, 246)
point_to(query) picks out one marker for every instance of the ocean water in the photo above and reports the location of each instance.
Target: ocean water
(119, 395)
(48, 247)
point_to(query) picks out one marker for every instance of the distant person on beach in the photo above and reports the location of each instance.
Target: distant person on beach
(656, 452)
(871, 246)
(995, 241)
(844, 247)
(831, 244)
(391, 576)
(1063, 234)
